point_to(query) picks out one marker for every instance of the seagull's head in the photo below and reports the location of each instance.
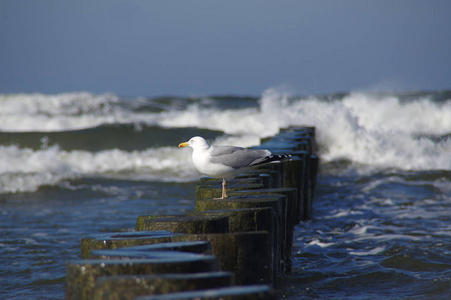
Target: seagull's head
(196, 142)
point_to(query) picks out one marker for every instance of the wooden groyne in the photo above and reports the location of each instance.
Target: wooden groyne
(233, 248)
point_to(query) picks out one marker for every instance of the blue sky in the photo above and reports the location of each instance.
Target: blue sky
(208, 47)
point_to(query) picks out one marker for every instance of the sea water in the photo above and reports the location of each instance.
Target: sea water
(77, 163)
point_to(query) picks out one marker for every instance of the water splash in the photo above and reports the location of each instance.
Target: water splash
(371, 132)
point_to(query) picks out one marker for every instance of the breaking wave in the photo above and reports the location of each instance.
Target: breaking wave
(370, 131)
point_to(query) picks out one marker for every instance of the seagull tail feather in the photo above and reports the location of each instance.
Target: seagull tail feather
(270, 159)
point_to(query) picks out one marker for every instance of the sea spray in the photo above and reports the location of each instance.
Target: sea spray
(70, 111)
(379, 132)
(371, 132)
(375, 222)
(25, 170)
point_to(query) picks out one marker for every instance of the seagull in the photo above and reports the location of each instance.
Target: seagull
(226, 161)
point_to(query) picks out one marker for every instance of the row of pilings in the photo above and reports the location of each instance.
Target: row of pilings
(233, 248)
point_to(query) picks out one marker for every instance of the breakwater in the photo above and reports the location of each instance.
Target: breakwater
(229, 248)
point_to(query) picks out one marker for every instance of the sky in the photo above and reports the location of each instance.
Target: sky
(208, 47)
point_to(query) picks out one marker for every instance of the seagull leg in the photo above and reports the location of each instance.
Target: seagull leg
(224, 195)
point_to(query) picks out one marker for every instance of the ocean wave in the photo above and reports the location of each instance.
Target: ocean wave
(53, 138)
(25, 170)
(81, 110)
(370, 130)
(70, 111)
(121, 136)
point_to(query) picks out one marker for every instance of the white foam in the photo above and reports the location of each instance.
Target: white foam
(70, 111)
(25, 170)
(368, 130)
(374, 251)
(359, 230)
(247, 121)
(388, 237)
(365, 129)
(388, 113)
(342, 213)
(319, 243)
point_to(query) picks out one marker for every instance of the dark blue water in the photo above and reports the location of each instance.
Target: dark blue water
(40, 231)
(383, 236)
(77, 164)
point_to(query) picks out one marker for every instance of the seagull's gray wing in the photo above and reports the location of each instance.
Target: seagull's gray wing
(237, 157)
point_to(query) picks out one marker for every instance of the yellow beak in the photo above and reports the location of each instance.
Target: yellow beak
(183, 144)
